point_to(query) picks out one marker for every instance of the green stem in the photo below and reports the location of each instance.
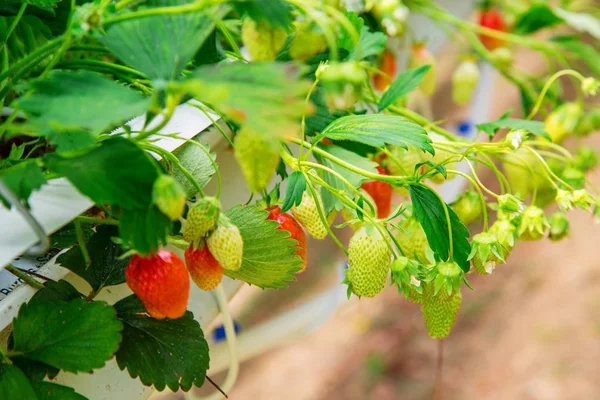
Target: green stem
(169, 156)
(82, 245)
(219, 128)
(488, 191)
(549, 82)
(182, 9)
(31, 58)
(303, 122)
(547, 169)
(22, 275)
(481, 197)
(322, 215)
(97, 221)
(14, 24)
(230, 40)
(103, 64)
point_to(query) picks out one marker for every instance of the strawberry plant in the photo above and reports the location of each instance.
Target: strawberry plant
(310, 98)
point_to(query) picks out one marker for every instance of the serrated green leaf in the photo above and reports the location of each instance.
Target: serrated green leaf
(116, 172)
(196, 162)
(106, 268)
(72, 336)
(53, 391)
(160, 46)
(35, 370)
(22, 179)
(266, 97)
(537, 17)
(144, 230)
(296, 185)
(71, 140)
(429, 211)
(273, 12)
(377, 130)
(330, 202)
(535, 127)
(165, 352)
(370, 44)
(580, 21)
(270, 257)
(14, 385)
(405, 83)
(80, 100)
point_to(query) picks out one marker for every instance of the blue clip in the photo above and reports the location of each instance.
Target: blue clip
(464, 128)
(219, 332)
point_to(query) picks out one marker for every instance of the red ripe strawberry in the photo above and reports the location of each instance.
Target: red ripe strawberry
(381, 192)
(205, 270)
(162, 283)
(388, 65)
(492, 18)
(288, 223)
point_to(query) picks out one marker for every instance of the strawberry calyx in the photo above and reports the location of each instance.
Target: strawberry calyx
(486, 252)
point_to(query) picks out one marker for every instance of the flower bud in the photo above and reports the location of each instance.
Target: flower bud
(582, 199)
(486, 252)
(534, 225)
(590, 86)
(514, 139)
(506, 234)
(559, 226)
(564, 199)
(511, 205)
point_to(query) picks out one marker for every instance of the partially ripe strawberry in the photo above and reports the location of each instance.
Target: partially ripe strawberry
(389, 67)
(491, 18)
(307, 214)
(369, 258)
(162, 283)
(226, 244)
(205, 270)
(381, 192)
(201, 219)
(288, 223)
(421, 56)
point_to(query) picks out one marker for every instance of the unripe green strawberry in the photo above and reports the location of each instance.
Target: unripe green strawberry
(440, 309)
(589, 123)
(421, 56)
(534, 224)
(502, 58)
(413, 241)
(392, 15)
(408, 159)
(201, 219)
(162, 283)
(307, 214)
(585, 159)
(226, 244)
(563, 121)
(506, 233)
(524, 173)
(467, 207)
(258, 156)
(574, 177)
(343, 84)
(262, 40)
(464, 81)
(205, 270)
(369, 259)
(559, 226)
(169, 197)
(307, 42)
(486, 252)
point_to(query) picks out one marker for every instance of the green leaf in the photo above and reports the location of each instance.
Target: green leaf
(22, 179)
(370, 44)
(322, 116)
(588, 54)
(535, 127)
(29, 34)
(144, 230)
(116, 172)
(265, 97)
(74, 336)
(106, 268)
(345, 40)
(53, 391)
(196, 162)
(580, 21)
(71, 140)
(35, 370)
(296, 185)
(330, 202)
(160, 46)
(14, 385)
(537, 17)
(429, 211)
(405, 83)
(67, 236)
(273, 12)
(270, 256)
(378, 130)
(80, 100)
(61, 291)
(161, 352)
(43, 3)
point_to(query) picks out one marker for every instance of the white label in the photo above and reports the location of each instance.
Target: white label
(9, 282)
